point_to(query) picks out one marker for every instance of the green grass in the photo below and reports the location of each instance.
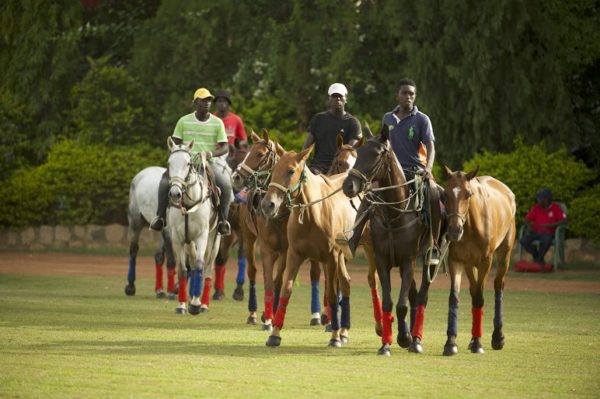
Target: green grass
(64, 337)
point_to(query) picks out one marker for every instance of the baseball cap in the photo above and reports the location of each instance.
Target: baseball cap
(223, 94)
(337, 88)
(544, 194)
(202, 93)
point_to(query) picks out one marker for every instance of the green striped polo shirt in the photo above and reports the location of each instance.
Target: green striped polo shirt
(205, 134)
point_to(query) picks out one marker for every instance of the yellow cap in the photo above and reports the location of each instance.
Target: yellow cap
(202, 93)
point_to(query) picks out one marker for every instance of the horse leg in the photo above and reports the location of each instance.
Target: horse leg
(503, 260)
(404, 338)
(383, 270)
(182, 276)
(238, 293)
(372, 279)
(196, 278)
(220, 263)
(292, 264)
(159, 260)
(477, 283)
(422, 297)
(171, 266)
(343, 279)
(333, 300)
(315, 304)
(133, 233)
(269, 260)
(450, 348)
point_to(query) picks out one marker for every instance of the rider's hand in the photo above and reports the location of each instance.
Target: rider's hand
(428, 173)
(208, 155)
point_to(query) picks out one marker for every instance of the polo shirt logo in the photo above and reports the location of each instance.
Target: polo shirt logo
(411, 133)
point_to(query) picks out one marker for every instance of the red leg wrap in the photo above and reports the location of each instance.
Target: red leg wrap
(182, 292)
(220, 277)
(477, 330)
(268, 305)
(419, 319)
(159, 277)
(386, 336)
(171, 279)
(205, 300)
(280, 315)
(376, 304)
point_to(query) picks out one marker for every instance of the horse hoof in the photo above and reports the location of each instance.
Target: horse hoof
(238, 293)
(404, 340)
(385, 350)
(218, 295)
(180, 310)
(315, 321)
(171, 296)
(415, 346)
(160, 295)
(475, 346)
(324, 320)
(251, 320)
(328, 328)
(267, 327)
(450, 350)
(344, 339)
(497, 341)
(335, 343)
(194, 309)
(130, 289)
(273, 341)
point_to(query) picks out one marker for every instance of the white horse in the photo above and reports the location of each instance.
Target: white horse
(143, 198)
(192, 221)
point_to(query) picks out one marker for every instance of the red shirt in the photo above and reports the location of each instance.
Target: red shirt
(539, 216)
(234, 127)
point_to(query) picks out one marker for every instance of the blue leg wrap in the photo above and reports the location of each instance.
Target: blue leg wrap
(498, 310)
(252, 304)
(335, 322)
(196, 283)
(241, 276)
(345, 318)
(452, 317)
(131, 272)
(315, 304)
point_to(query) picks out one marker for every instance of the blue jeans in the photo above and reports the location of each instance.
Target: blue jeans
(538, 253)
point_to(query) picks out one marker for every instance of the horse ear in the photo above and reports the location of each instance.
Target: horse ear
(340, 140)
(265, 135)
(170, 143)
(385, 133)
(446, 171)
(303, 155)
(368, 132)
(236, 143)
(472, 173)
(359, 143)
(279, 149)
(255, 137)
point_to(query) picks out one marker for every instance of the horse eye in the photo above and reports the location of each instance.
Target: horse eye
(291, 172)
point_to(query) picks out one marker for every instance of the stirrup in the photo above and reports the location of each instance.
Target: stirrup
(224, 228)
(434, 257)
(157, 224)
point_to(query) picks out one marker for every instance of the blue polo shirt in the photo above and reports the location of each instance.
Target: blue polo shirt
(408, 135)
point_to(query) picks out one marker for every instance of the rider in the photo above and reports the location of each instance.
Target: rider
(412, 140)
(234, 126)
(208, 133)
(325, 126)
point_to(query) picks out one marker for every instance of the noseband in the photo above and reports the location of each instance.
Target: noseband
(262, 174)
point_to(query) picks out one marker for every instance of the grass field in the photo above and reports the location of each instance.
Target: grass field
(65, 337)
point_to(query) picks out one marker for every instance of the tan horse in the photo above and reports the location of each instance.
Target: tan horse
(320, 212)
(481, 225)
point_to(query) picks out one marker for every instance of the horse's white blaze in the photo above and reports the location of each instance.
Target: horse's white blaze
(351, 161)
(456, 191)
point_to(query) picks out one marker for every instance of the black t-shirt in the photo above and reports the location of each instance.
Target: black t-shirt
(325, 127)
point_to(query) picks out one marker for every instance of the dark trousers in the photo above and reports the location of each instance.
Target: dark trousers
(538, 252)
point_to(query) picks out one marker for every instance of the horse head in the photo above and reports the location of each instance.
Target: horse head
(261, 157)
(237, 153)
(287, 178)
(345, 156)
(180, 168)
(370, 165)
(458, 192)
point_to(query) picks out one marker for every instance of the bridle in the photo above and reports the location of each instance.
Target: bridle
(260, 177)
(190, 179)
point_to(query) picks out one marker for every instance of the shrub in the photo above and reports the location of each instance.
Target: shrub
(530, 168)
(79, 184)
(584, 208)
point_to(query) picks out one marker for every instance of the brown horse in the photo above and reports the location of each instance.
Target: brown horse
(481, 225)
(319, 212)
(397, 234)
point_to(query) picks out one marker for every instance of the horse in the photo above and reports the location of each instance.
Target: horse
(237, 154)
(319, 212)
(192, 221)
(143, 198)
(481, 226)
(398, 235)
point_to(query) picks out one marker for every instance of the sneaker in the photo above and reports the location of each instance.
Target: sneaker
(224, 228)
(157, 224)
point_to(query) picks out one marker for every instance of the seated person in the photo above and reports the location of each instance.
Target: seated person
(542, 219)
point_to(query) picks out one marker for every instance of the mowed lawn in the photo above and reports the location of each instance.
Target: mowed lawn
(65, 337)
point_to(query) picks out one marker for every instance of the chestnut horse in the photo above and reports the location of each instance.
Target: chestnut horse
(319, 212)
(398, 235)
(481, 225)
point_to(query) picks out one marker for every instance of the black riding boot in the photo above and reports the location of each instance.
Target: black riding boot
(160, 220)
(223, 228)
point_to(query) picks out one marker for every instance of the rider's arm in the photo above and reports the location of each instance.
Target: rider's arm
(222, 148)
(310, 139)
(430, 146)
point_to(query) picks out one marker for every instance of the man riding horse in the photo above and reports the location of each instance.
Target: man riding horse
(208, 133)
(412, 140)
